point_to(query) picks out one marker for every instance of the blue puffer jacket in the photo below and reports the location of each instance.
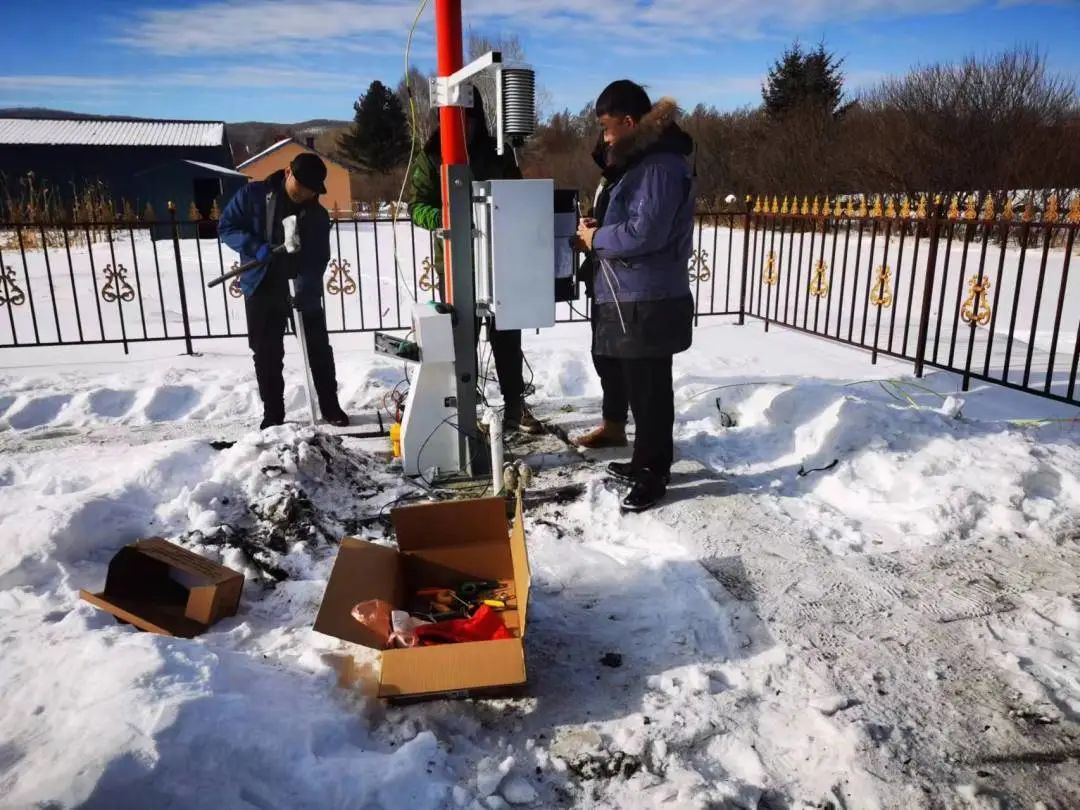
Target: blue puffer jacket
(644, 244)
(245, 228)
(641, 252)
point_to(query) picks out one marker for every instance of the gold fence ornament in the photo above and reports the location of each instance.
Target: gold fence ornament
(772, 277)
(881, 295)
(341, 280)
(976, 308)
(819, 285)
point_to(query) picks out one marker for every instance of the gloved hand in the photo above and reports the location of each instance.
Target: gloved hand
(263, 253)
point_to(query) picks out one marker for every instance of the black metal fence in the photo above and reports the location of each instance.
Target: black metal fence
(946, 284)
(138, 280)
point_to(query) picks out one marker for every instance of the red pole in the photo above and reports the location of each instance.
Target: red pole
(451, 119)
(450, 60)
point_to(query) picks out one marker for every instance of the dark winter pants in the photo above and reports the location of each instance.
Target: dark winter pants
(612, 380)
(506, 350)
(616, 406)
(652, 400)
(268, 313)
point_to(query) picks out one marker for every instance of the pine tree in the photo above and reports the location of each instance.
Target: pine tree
(379, 137)
(801, 79)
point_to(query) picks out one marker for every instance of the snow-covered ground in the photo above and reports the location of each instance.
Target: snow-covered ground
(900, 629)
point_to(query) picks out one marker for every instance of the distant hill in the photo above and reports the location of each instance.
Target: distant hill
(251, 137)
(65, 115)
(246, 137)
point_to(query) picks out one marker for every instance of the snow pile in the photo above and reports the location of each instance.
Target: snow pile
(866, 470)
(274, 499)
(256, 500)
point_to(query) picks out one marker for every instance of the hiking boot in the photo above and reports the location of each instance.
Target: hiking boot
(624, 471)
(647, 491)
(521, 419)
(609, 434)
(271, 421)
(336, 417)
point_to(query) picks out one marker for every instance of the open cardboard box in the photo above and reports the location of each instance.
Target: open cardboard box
(440, 545)
(164, 588)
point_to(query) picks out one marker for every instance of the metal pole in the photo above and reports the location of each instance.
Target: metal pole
(745, 263)
(301, 336)
(180, 279)
(451, 119)
(457, 222)
(450, 60)
(928, 289)
(473, 460)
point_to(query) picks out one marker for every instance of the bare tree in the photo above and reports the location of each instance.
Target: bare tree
(980, 125)
(510, 47)
(995, 123)
(420, 115)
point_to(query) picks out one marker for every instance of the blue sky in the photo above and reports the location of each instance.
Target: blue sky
(289, 61)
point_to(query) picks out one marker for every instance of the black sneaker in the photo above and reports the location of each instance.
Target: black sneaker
(624, 471)
(271, 421)
(647, 491)
(621, 471)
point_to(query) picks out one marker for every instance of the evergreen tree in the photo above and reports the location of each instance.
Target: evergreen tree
(805, 79)
(379, 137)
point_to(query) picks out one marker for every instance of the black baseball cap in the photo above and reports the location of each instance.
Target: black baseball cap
(310, 171)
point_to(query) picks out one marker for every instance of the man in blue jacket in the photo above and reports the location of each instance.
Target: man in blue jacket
(643, 312)
(251, 225)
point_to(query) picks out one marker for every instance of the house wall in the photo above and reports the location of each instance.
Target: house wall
(59, 167)
(338, 192)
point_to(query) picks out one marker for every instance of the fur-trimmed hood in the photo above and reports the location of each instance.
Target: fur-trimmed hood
(658, 130)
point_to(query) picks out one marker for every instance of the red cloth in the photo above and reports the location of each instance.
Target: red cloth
(485, 625)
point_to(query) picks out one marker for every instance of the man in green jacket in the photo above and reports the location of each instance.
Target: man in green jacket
(425, 208)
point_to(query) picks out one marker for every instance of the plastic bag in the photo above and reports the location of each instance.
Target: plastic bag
(403, 629)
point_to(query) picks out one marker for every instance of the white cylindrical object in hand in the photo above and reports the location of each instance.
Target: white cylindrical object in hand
(292, 234)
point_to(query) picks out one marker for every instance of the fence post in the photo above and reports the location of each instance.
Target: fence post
(928, 287)
(180, 278)
(745, 263)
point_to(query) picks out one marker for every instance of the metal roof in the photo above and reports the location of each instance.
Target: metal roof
(219, 169)
(41, 131)
(268, 150)
(285, 142)
(207, 167)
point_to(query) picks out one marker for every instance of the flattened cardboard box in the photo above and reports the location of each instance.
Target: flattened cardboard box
(164, 588)
(440, 545)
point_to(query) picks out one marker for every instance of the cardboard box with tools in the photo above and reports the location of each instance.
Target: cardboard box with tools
(440, 546)
(163, 588)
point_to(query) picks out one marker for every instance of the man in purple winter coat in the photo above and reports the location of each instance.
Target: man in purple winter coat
(643, 312)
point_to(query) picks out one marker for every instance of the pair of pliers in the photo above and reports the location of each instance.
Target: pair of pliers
(470, 590)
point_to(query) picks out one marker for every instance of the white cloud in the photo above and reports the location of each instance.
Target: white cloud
(43, 82)
(268, 77)
(224, 77)
(222, 26)
(857, 80)
(689, 90)
(265, 25)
